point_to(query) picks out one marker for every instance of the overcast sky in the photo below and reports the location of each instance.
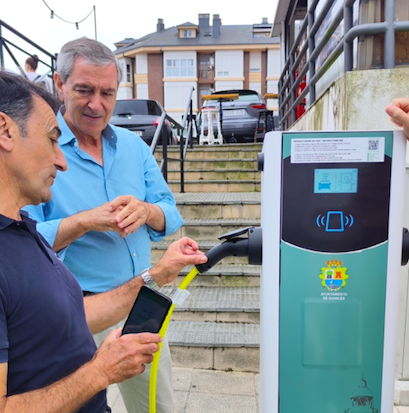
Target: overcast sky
(115, 20)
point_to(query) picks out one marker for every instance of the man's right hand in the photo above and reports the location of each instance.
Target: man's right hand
(122, 357)
(398, 111)
(102, 219)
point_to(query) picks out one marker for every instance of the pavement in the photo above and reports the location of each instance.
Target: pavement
(206, 391)
(210, 391)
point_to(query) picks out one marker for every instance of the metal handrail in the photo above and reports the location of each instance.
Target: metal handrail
(5, 43)
(161, 131)
(288, 83)
(188, 119)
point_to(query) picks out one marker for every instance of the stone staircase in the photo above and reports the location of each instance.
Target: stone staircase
(217, 327)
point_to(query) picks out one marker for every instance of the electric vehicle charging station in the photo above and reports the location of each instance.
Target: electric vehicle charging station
(332, 218)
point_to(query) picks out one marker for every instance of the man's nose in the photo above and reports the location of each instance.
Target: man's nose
(95, 102)
(60, 161)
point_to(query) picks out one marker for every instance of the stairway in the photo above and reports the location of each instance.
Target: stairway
(217, 327)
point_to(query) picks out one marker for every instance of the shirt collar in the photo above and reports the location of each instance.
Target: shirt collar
(67, 136)
(6, 221)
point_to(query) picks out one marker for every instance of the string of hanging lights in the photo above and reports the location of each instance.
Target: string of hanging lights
(77, 22)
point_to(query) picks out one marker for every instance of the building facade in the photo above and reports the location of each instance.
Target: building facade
(166, 64)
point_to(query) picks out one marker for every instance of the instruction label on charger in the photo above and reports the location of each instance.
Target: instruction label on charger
(329, 150)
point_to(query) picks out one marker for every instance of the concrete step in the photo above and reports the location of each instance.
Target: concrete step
(239, 151)
(217, 175)
(210, 304)
(216, 186)
(159, 248)
(202, 229)
(217, 205)
(217, 346)
(213, 164)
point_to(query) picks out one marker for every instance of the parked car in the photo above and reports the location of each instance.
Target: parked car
(240, 117)
(142, 117)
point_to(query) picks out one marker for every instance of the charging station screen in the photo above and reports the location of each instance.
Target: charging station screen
(336, 181)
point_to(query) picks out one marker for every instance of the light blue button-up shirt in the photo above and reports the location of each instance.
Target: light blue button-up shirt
(103, 260)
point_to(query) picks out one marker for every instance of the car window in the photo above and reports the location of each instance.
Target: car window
(249, 98)
(243, 97)
(137, 107)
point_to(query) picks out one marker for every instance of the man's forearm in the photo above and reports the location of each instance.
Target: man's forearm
(69, 230)
(156, 218)
(64, 396)
(106, 309)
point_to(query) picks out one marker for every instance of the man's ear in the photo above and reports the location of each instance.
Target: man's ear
(8, 128)
(59, 86)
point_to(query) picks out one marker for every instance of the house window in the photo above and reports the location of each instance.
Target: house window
(128, 74)
(179, 68)
(187, 33)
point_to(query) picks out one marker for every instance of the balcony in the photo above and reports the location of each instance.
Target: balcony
(206, 73)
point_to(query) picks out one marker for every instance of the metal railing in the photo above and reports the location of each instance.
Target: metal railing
(188, 123)
(7, 45)
(301, 62)
(162, 132)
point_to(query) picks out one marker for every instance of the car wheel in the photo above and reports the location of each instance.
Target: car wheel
(232, 139)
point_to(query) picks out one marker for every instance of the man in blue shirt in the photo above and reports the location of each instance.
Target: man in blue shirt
(112, 201)
(47, 355)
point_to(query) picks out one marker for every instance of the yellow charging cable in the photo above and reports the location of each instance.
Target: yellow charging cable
(155, 363)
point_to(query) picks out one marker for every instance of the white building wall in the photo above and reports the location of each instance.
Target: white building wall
(273, 71)
(176, 95)
(228, 84)
(142, 91)
(229, 65)
(255, 86)
(255, 61)
(124, 93)
(125, 87)
(273, 63)
(141, 64)
(177, 88)
(179, 56)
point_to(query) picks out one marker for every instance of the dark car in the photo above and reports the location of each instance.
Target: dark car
(142, 117)
(243, 119)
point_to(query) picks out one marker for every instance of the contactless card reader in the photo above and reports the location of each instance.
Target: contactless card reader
(332, 210)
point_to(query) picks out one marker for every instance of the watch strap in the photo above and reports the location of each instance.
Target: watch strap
(147, 279)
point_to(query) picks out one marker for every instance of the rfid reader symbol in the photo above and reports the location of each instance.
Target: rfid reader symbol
(335, 221)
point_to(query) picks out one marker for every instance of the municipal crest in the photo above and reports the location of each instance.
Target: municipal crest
(333, 276)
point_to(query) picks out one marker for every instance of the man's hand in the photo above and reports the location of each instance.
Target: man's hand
(398, 111)
(99, 219)
(124, 215)
(122, 357)
(131, 213)
(106, 309)
(178, 255)
(102, 219)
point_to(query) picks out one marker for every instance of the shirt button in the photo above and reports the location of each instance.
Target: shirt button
(134, 254)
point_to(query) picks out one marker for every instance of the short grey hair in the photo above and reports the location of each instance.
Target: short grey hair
(91, 50)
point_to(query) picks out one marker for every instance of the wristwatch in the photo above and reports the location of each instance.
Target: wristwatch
(147, 279)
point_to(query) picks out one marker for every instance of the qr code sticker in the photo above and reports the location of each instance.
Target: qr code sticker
(373, 144)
